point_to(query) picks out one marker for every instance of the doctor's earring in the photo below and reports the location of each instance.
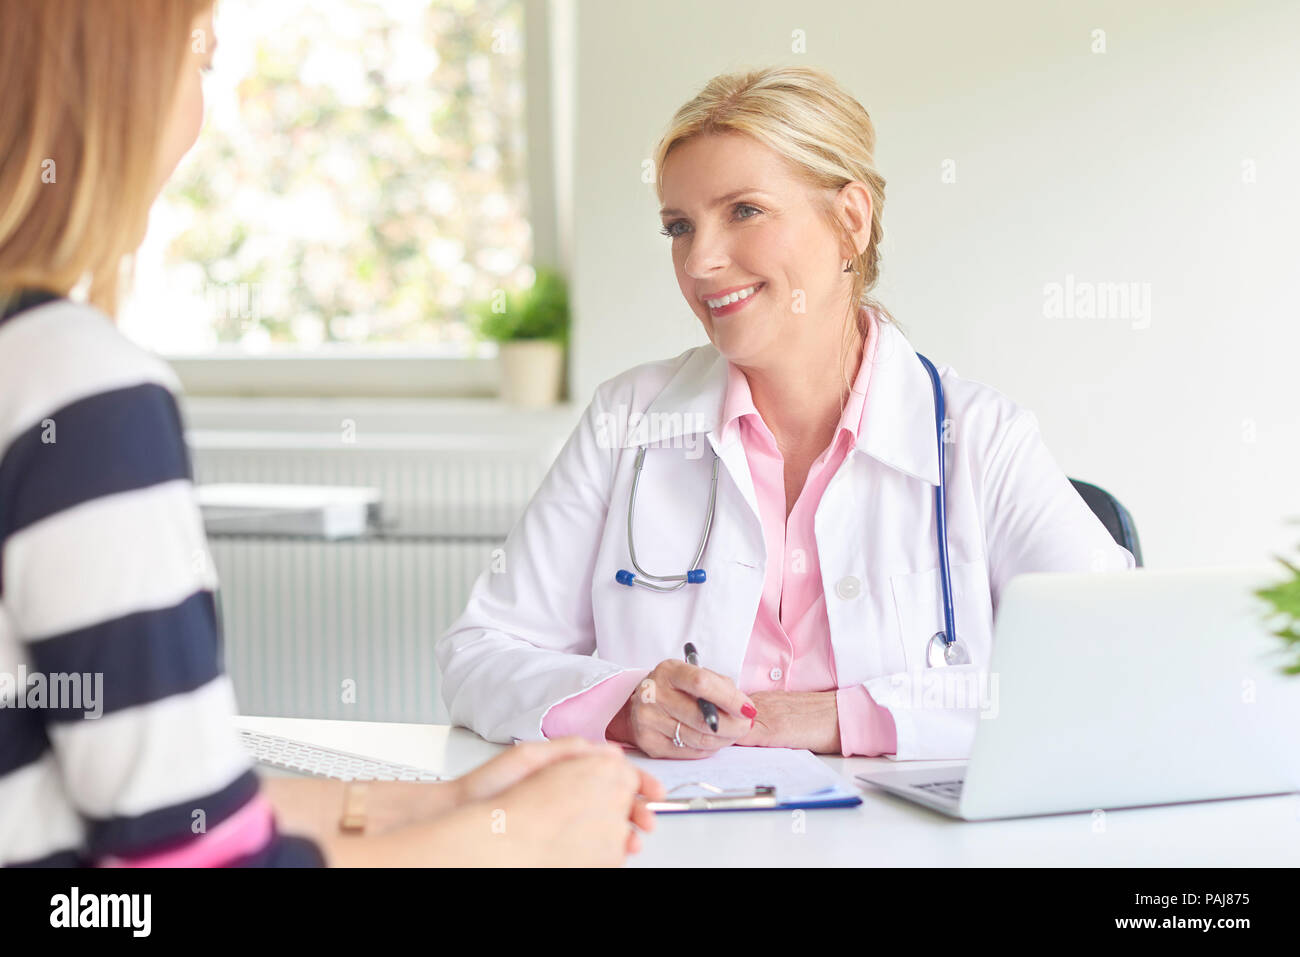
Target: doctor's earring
(848, 266)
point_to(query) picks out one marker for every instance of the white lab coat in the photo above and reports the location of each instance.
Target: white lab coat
(548, 620)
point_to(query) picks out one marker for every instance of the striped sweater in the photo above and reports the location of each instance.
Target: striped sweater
(116, 741)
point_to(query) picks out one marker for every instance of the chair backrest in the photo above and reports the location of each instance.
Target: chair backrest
(1113, 515)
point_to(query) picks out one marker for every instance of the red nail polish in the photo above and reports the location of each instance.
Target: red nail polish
(749, 711)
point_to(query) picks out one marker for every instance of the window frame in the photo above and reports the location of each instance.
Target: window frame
(393, 372)
(307, 374)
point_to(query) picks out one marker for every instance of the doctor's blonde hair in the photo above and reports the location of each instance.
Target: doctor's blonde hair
(88, 91)
(812, 122)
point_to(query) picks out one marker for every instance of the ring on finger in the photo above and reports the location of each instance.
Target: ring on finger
(677, 737)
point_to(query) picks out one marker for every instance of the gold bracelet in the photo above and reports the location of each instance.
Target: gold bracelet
(353, 820)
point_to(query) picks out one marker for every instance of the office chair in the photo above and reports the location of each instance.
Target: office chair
(1113, 515)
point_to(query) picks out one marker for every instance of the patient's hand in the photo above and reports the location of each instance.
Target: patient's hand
(510, 767)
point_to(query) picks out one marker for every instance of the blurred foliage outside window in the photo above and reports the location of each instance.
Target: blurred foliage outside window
(358, 184)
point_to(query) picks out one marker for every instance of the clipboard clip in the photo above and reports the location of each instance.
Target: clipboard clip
(763, 796)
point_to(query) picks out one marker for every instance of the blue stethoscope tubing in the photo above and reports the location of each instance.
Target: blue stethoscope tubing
(942, 649)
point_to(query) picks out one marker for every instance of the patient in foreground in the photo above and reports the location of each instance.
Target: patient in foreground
(104, 570)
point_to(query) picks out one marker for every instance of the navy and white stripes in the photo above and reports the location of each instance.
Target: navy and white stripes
(104, 571)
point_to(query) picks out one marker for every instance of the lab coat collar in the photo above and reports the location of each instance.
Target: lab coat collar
(898, 426)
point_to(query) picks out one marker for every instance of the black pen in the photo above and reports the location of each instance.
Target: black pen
(707, 708)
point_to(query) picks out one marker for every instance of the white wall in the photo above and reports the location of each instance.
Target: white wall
(1123, 166)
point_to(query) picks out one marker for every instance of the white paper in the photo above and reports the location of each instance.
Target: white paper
(316, 511)
(796, 775)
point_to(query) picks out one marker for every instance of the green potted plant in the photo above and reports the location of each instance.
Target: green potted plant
(1284, 597)
(530, 327)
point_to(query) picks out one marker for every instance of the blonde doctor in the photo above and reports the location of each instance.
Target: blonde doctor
(821, 588)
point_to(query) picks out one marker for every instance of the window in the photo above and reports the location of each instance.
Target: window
(359, 181)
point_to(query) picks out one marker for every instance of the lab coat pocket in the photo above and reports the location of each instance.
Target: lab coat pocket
(918, 601)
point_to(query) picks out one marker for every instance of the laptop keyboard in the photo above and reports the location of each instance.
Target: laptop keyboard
(948, 789)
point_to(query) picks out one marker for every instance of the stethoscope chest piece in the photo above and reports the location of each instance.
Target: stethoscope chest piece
(940, 653)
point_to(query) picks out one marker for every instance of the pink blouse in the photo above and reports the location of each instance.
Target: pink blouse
(790, 647)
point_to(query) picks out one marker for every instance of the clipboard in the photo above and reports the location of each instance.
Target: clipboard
(761, 798)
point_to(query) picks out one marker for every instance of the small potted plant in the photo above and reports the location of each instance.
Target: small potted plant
(1284, 597)
(530, 327)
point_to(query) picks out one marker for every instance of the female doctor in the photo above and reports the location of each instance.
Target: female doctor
(820, 620)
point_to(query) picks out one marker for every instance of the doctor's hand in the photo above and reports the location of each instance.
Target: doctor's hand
(796, 719)
(668, 699)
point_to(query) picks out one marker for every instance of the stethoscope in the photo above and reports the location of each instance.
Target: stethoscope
(943, 648)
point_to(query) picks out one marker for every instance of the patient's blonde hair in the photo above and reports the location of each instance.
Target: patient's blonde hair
(824, 134)
(88, 92)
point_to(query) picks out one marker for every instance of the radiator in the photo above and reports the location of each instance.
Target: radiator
(341, 630)
(346, 629)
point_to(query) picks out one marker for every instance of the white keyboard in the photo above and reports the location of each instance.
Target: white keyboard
(323, 762)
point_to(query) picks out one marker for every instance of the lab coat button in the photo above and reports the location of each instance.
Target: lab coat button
(848, 587)
(775, 674)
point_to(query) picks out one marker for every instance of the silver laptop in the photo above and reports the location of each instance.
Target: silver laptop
(1124, 689)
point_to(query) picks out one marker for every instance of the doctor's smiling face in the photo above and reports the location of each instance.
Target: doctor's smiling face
(742, 222)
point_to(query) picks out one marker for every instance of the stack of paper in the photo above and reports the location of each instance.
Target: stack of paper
(314, 511)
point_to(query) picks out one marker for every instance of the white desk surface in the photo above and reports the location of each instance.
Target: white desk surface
(883, 830)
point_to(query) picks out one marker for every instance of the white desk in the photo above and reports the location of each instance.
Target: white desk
(884, 830)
